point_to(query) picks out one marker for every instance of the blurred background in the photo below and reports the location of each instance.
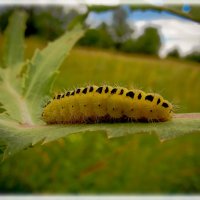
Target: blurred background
(152, 47)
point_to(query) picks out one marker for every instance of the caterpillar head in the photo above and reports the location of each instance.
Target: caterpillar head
(165, 111)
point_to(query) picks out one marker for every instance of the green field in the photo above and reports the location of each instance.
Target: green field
(89, 163)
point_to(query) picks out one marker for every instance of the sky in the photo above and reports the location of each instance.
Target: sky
(175, 32)
(97, 2)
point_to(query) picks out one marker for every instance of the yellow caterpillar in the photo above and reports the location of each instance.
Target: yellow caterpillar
(95, 104)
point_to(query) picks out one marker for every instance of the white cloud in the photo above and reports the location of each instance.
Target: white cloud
(102, 2)
(175, 33)
(96, 19)
(81, 9)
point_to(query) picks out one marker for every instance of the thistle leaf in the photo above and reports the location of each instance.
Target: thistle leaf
(14, 40)
(20, 124)
(18, 137)
(43, 68)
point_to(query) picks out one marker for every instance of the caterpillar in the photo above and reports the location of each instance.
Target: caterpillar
(95, 104)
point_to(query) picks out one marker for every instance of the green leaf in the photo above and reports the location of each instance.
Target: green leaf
(79, 19)
(26, 107)
(20, 124)
(14, 40)
(18, 137)
(10, 80)
(43, 68)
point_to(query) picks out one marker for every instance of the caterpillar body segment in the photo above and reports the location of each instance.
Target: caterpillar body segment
(95, 104)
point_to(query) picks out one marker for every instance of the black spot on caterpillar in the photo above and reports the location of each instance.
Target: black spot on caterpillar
(114, 90)
(106, 104)
(121, 92)
(91, 89)
(106, 90)
(84, 91)
(130, 94)
(99, 90)
(165, 105)
(149, 97)
(139, 96)
(78, 91)
(67, 94)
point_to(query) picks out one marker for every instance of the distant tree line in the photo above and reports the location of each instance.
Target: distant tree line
(50, 22)
(45, 22)
(148, 43)
(119, 36)
(194, 56)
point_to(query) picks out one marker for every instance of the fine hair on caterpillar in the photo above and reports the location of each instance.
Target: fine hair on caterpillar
(95, 104)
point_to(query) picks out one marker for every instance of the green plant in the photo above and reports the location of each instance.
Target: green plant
(24, 85)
